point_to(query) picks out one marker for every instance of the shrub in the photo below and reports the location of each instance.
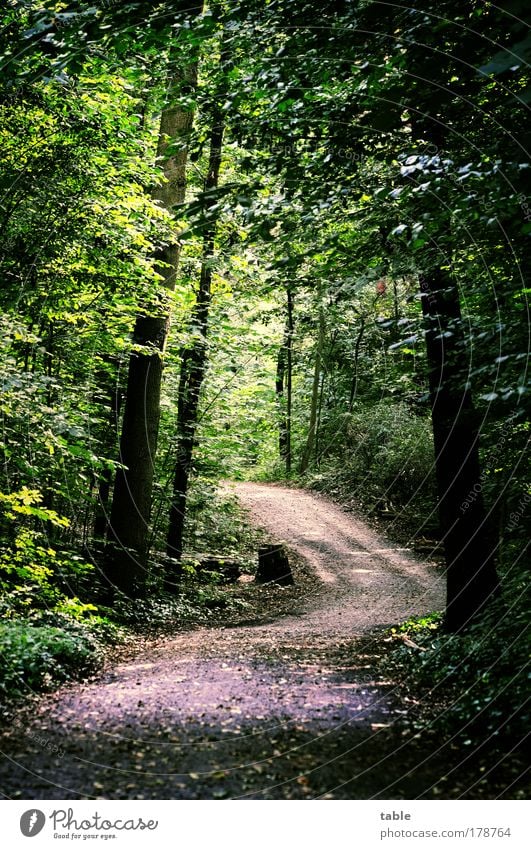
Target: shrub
(383, 458)
(33, 573)
(480, 676)
(216, 523)
(35, 657)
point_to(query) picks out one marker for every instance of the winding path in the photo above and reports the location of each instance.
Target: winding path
(364, 581)
(289, 709)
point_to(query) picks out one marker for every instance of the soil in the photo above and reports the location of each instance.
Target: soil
(290, 704)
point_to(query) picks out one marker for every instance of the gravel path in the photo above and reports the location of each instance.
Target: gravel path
(364, 581)
(289, 709)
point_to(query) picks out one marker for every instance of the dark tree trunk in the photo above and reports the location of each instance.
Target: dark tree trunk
(279, 389)
(284, 379)
(131, 506)
(289, 381)
(469, 550)
(317, 447)
(193, 364)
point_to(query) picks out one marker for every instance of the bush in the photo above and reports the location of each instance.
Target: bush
(481, 677)
(35, 657)
(216, 523)
(382, 458)
(33, 573)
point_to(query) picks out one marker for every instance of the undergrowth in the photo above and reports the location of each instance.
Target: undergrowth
(49, 635)
(50, 648)
(193, 605)
(216, 523)
(477, 681)
(382, 462)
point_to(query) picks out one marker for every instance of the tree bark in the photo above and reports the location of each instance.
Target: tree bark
(317, 446)
(289, 381)
(469, 550)
(193, 363)
(284, 380)
(131, 506)
(279, 389)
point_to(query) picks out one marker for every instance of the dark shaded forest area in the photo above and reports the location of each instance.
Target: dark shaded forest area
(279, 242)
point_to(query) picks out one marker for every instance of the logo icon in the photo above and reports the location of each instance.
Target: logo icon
(32, 822)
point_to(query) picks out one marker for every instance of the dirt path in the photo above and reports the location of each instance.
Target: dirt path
(365, 582)
(289, 709)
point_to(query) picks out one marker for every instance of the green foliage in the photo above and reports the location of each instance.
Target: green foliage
(217, 524)
(36, 657)
(419, 625)
(381, 457)
(193, 604)
(27, 502)
(34, 574)
(479, 678)
(353, 164)
(79, 230)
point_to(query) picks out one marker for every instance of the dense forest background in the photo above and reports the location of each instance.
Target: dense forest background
(266, 241)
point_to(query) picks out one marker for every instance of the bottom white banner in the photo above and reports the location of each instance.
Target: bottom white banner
(255, 824)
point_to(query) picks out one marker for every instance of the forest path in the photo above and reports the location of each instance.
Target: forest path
(364, 580)
(294, 708)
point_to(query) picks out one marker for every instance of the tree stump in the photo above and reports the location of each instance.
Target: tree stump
(273, 566)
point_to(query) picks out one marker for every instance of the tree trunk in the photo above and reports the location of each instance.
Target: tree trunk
(131, 506)
(308, 448)
(289, 381)
(274, 566)
(317, 448)
(469, 550)
(284, 379)
(193, 363)
(279, 389)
